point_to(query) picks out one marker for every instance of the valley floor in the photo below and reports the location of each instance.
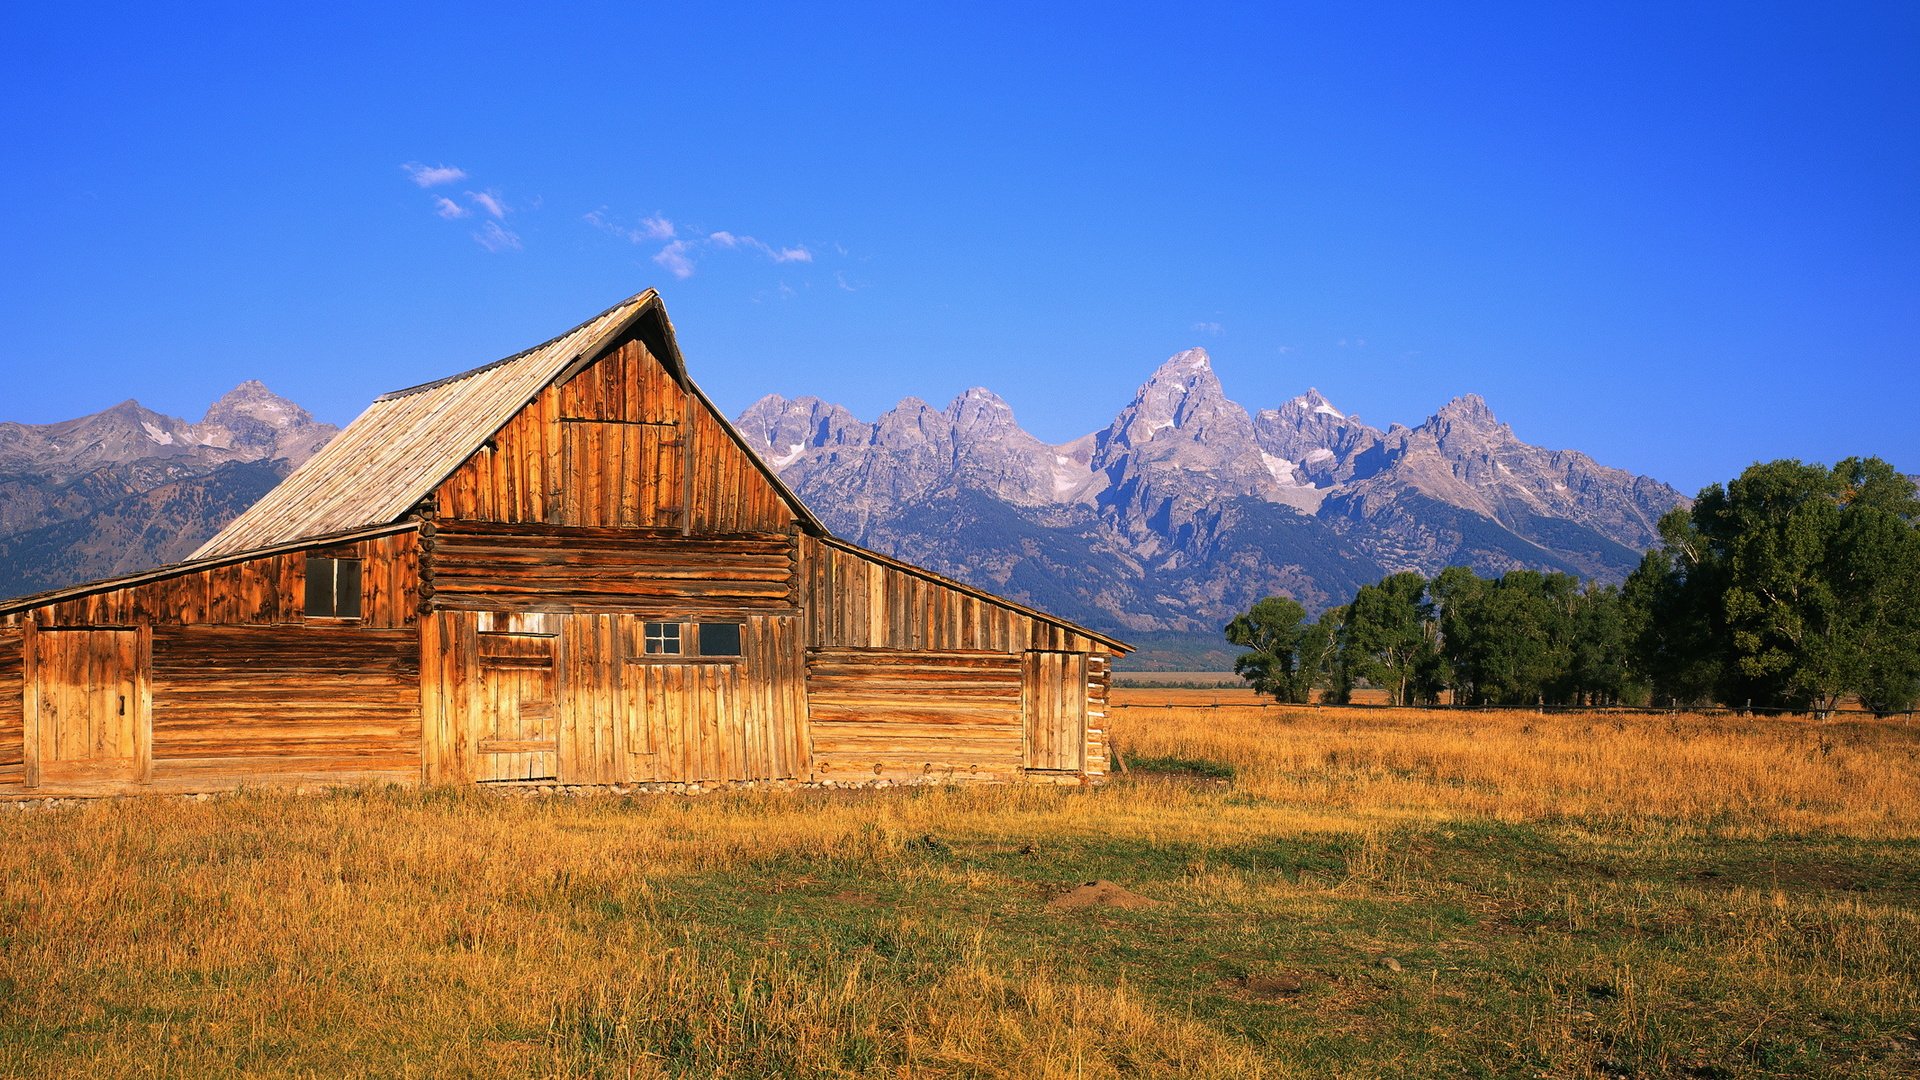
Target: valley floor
(1295, 892)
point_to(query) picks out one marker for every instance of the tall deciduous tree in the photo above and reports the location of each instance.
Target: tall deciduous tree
(1271, 631)
(1792, 586)
(1391, 639)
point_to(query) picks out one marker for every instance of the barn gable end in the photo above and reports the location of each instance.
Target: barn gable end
(565, 566)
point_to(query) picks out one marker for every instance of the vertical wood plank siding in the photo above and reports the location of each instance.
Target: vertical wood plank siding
(1055, 706)
(623, 716)
(270, 590)
(608, 448)
(859, 601)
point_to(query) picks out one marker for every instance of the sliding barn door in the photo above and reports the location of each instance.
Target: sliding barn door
(1054, 708)
(90, 706)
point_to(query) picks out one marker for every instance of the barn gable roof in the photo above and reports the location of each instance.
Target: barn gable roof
(401, 448)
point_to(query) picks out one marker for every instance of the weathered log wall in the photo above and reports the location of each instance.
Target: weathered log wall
(609, 447)
(273, 702)
(480, 566)
(12, 720)
(232, 683)
(904, 714)
(1099, 683)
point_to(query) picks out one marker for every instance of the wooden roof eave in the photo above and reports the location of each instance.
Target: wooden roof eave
(179, 569)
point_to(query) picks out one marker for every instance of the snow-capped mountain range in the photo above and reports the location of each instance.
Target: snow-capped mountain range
(1188, 507)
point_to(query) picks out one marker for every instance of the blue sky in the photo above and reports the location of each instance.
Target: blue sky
(1679, 237)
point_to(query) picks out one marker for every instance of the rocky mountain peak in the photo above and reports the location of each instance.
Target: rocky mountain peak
(784, 428)
(1316, 403)
(1186, 361)
(253, 416)
(1186, 507)
(251, 422)
(1319, 441)
(252, 399)
(981, 413)
(1468, 409)
(1185, 397)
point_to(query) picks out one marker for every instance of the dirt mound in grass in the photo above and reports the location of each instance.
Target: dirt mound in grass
(1271, 986)
(1100, 894)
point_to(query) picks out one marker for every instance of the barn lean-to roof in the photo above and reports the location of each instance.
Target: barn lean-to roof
(369, 478)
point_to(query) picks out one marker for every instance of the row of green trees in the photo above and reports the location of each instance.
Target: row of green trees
(1792, 587)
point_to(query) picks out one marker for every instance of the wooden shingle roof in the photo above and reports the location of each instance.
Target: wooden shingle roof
(401, 448)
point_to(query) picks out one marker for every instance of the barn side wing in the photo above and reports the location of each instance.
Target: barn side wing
(236, 684)
(911, 676)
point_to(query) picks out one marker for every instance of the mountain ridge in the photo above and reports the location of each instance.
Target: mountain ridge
(1188, 506)
(128, 488)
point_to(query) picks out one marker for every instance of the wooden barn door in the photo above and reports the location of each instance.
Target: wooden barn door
(685, 719)
(517, 734)
(1054, 708)
(90, 703)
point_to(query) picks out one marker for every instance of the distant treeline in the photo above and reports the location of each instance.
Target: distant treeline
(1791, 587)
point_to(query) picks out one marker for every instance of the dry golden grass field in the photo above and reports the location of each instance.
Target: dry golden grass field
(1298, 892)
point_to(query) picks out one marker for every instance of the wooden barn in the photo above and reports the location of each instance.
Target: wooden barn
(564, 566)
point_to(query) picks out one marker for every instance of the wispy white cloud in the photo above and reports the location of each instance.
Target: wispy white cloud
(675, 258)
(448, 209)
(495, 238)
(682, 253)
(650, 229)
(777, 254)
(1213, 329)
(1284, 349)
(489, 201)
(433, 175)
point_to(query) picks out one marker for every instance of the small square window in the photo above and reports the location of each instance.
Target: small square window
(719, 639)
(663, 638)
(333, 588)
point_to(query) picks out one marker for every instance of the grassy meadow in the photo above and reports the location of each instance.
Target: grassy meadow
(1300, 892)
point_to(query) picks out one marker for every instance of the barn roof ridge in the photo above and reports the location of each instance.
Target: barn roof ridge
(406, 442)
(640, 298)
